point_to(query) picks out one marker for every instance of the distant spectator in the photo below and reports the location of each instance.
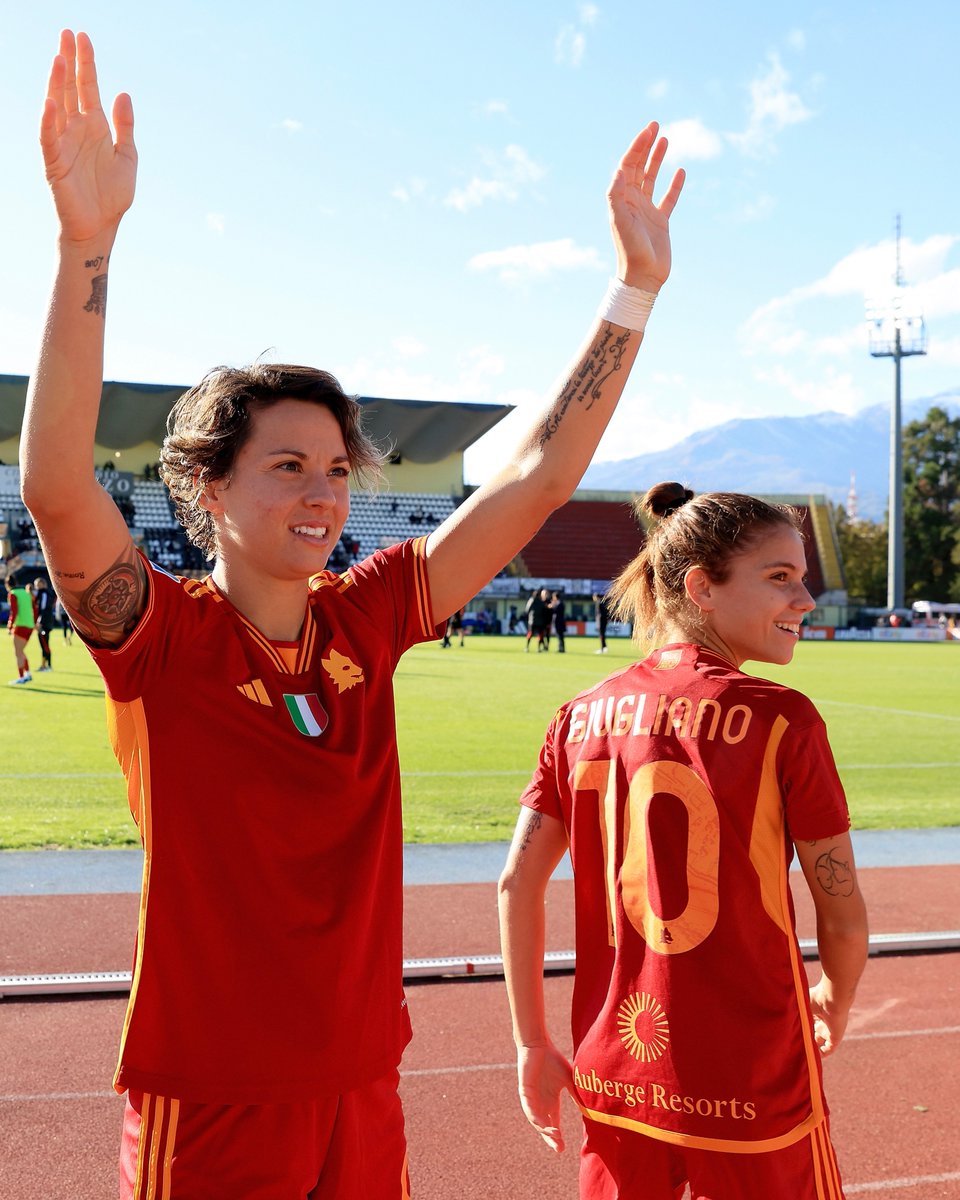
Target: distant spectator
(603, 617)
(454, 629)
(559, 613)
(538, 620)
(43, 603)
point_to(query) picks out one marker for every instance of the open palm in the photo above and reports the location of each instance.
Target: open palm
(640, 227)
(91, 178)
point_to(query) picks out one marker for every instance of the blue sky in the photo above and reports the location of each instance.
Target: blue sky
(412, 196)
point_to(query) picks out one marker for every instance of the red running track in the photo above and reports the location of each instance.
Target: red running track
(892, 1086)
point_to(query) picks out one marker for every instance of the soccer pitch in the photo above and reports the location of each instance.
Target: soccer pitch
(470, 725)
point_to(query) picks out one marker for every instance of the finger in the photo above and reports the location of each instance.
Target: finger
(53, 110)
(68, 48)
(669, 201)
(87, 89)
(653, 167)
(633, 163)
(123, 121)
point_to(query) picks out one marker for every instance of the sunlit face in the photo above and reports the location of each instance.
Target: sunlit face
(284, 506)
(757, 612)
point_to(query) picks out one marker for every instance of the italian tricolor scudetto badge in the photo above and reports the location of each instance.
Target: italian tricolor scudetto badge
(307, 713)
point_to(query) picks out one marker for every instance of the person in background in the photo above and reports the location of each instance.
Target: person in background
(44, 600)
(558, 613)
(683, 787)
(21, 624)
(602, 615)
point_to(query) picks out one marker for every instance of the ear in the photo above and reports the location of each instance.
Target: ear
(698, 586)
(208, 497)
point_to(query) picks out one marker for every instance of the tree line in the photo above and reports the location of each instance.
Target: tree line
(931, 521)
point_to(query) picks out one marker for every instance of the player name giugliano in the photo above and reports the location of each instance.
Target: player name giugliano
(647, 715)
(656, 1096)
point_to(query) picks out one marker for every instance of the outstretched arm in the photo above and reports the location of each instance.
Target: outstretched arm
(842, 938)
(500, 518)
(95, 568)
(543, 1072)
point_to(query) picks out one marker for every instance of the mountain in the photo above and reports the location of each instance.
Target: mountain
(779, 455)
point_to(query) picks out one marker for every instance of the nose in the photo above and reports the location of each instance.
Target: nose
(804, 601)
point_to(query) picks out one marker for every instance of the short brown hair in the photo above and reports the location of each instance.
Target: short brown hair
(210, 423)
(684, 531)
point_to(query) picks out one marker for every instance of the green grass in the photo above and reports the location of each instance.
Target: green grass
(470, 724)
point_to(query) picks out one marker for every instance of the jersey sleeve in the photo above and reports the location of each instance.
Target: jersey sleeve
(392, 587)
(126, 669)
(542, 793)
(814, 799)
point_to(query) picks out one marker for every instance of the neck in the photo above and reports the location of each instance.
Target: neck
(705, 637)
(276, 607)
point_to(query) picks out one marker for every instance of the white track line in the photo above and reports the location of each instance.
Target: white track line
(884, 1185)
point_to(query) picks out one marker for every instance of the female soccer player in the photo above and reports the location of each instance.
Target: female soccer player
(252, 712)
(682, 786)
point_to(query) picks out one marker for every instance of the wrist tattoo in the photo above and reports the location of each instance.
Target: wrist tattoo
(834, 875)
(587, 381)
(94, 263)
(98, 296)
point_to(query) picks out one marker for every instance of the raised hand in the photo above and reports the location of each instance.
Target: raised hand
(91, 178)
(640, 227)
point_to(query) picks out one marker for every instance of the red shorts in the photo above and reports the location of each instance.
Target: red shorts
(23, 632)
(349, 1147)
(618, 1162)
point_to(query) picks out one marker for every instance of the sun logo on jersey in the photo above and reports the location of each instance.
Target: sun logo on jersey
(344, 673)
(643, 1025)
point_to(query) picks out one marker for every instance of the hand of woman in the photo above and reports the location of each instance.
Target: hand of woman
(91, 177)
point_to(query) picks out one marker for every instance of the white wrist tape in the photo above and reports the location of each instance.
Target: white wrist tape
(626, 306)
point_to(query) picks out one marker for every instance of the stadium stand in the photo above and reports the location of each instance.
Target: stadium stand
(585, 539)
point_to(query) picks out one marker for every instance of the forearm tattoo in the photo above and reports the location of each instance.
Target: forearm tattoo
(534, 822)
(834, 875)
(586, 383)
(98, 296)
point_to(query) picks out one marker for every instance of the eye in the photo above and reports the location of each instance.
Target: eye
(340, 472)
(289, 464)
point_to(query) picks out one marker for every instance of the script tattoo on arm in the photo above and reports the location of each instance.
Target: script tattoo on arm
(834, 875)
(584, 386)
(534, 822)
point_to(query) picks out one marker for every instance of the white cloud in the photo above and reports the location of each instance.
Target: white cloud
(690, 139)
(866, 274)
(291, 125)
(517, 263)
(797, 40)
(758, 209)
(658, 89)
(495, 108)
(505, 177)
(473, 377)
(773, 107)
(216, 222)
(833, 390)
(569, 47)
(589, 14)
(408, 347)
(411, 190)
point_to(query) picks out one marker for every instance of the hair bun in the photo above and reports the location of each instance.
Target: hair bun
(664, 498)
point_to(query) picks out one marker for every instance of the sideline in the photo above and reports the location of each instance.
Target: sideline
(74, 872)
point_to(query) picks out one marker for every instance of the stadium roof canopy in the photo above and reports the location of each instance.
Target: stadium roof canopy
(420, 431)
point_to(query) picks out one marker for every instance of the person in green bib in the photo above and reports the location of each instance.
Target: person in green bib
(21, 623)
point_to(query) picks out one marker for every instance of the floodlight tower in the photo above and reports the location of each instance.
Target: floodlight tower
(895, 330)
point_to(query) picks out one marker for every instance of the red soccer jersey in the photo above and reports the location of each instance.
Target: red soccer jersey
(681, 782)
(266, 787)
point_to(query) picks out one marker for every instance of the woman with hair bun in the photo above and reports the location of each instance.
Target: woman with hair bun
(682, 787)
